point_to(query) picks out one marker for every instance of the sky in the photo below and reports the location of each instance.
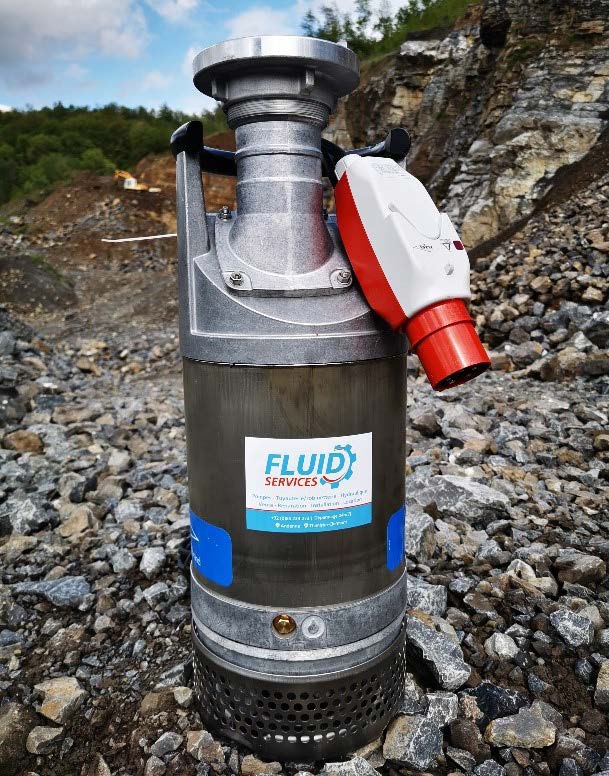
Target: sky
(133, 52)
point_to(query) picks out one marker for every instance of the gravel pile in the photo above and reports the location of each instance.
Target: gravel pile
(508, 546)
(542, 297)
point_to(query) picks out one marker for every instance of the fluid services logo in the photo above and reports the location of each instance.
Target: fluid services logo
(308, 469)
(308, 485)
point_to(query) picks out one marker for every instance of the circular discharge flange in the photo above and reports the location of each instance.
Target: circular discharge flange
(336, 63)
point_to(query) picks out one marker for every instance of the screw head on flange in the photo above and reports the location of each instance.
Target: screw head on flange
(344, 277)
(225, 213)
(236, 278)
(284, 624)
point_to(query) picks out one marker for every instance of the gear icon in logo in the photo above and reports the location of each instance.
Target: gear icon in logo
(347, 475)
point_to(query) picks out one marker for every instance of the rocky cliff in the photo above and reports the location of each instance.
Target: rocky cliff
(507, 111)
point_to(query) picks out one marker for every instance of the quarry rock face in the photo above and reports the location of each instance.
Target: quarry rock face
(498, 108)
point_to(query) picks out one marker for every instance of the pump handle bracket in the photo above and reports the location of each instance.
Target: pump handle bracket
(215, 160)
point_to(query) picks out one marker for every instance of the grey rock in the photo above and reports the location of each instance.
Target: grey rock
(183, 696)
(427, 598)
(489, 768)
(122, 561)
(420, 534)
(7, 343)
(154, 766)
(43, 739)
(128, 510)
(119, 461)
(500, 646)
(463, 759)
(569, 767)
(525, 729)
(413, 741)
(8, 637)
(601, 693)
(548, 712)
(573, 628)
(166, 743)
(103, 623)
(357, 766)
(578, 567)
(584, 670)
(172, 677)
(413, 702)
(442, 707)
(443, 657)
(596, 328)
(425, 421)
(23, 515)
(568, 745)
(153, 560)
(63, 592)
(16, 722)
(156, 593)
(536, 685)
(459, 497)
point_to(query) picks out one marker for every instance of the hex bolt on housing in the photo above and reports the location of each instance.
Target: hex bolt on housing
(295, 404)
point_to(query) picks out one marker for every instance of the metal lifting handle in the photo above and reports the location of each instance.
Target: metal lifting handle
(395, 146)
(189, 137)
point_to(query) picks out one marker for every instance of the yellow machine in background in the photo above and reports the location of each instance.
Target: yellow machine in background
(130, 182)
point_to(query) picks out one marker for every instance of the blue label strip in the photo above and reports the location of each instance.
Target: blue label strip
(308, 522)
(396, 538)
(212, 550)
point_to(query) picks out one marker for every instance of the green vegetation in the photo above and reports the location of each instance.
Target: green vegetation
(372, 31)
(41, 148)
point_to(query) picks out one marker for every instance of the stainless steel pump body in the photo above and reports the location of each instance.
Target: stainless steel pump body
(280, 345)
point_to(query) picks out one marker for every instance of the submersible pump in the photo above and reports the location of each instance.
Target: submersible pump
(292, 329)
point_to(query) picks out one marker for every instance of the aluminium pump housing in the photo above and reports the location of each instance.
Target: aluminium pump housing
(295, 416)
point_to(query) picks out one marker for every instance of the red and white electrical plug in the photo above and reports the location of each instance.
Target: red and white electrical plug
(411, 265)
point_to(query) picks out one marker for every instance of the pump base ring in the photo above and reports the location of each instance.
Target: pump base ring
(314, 717)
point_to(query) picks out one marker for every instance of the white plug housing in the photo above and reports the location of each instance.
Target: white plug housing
(417, 248)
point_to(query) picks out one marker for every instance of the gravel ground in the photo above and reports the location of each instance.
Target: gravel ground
(507, 537)
(508, 542)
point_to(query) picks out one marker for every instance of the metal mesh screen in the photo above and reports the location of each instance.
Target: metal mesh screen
(310, 719)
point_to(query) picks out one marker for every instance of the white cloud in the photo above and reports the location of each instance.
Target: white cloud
(76, 71)
(191, 53)
(173, 10)
(155, 80)
(264, 20)
(194, 104)
(5, 108)
(35, 32)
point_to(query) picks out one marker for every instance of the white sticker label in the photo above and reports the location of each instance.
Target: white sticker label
(308, 485)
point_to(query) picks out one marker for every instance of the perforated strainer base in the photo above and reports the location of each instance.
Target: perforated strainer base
(311, 717)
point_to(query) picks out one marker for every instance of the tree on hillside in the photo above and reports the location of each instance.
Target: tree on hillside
(373, 29)
(41, 148)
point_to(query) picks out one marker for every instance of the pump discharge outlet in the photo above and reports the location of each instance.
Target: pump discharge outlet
(295, 393)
